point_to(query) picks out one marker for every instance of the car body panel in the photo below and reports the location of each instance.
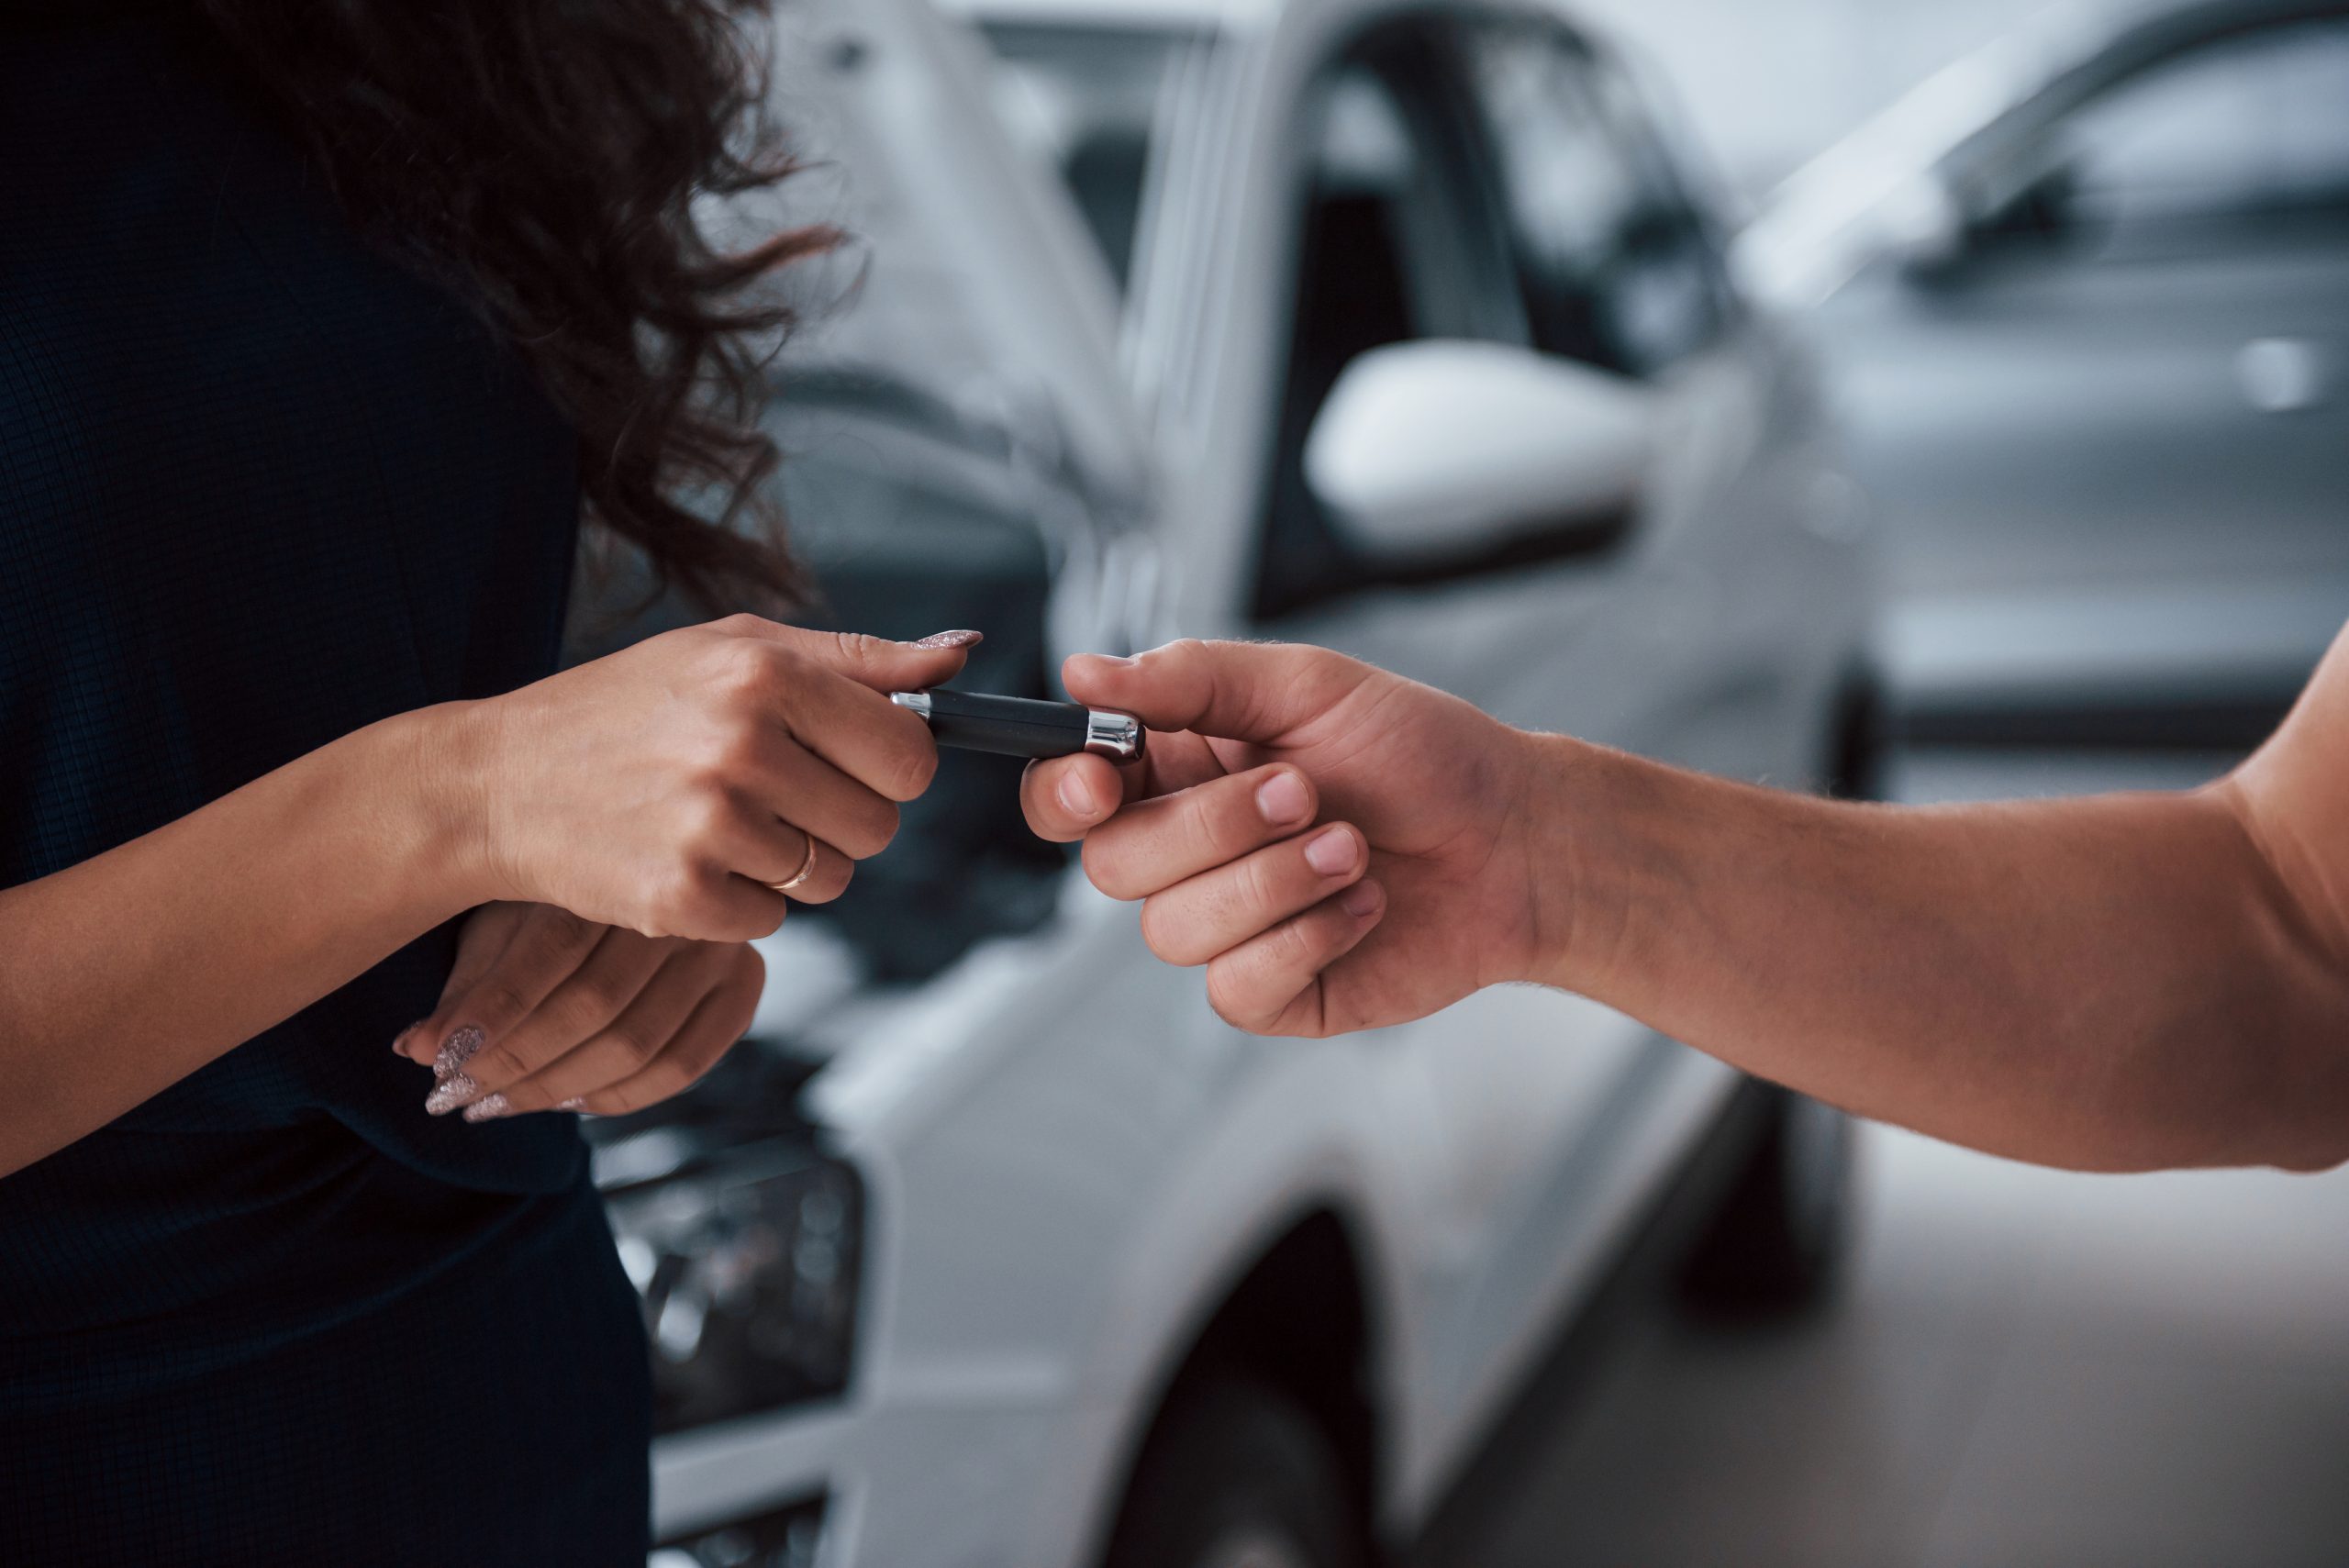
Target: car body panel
(2109, 446)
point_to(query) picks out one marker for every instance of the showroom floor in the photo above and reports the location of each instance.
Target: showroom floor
(2024, 1368)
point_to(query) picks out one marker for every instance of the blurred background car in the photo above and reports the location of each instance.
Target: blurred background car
(2085, 298)
(992, 1244)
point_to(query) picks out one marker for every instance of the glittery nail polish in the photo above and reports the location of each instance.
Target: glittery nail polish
(941, 640)
(577, 1103)
(454, 1090)
(489, 1108)
(457, 1049)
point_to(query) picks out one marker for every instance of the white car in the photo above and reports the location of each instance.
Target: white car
(994, 1247)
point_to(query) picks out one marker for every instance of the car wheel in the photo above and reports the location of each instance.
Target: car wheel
(1236, 1474)
(1776, 1242)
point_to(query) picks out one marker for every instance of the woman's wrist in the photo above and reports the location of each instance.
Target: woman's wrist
(436, 765)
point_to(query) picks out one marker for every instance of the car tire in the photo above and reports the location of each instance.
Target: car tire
(1236, 1474)
(1776, 1245)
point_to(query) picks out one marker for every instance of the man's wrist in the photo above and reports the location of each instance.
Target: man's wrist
(1574, 839)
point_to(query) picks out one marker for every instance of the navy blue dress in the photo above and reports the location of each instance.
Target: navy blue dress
(259, 487)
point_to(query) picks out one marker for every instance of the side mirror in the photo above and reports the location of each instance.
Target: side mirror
(1921, 225)
(1438, 457)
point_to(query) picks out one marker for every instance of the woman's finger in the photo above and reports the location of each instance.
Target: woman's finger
(1216, 911)
(481, 940)
(577, 1010)
(704, 1040)
(634, 1040)
(780, 857)
(1271, 985)
(784, 778)
(545, 947)
(1155, 845)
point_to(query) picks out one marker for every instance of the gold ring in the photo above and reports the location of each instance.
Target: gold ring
(806, 869)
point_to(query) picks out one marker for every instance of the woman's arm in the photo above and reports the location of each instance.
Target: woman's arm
(2119, 983)
(658, 790)
(128, 971)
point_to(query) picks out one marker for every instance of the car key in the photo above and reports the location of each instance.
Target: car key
(1021, 727)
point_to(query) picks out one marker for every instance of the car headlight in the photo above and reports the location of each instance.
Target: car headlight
(748, 1268)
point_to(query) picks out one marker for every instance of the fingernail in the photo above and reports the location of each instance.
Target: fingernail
(1110, 660)
(938, 640)
(577, 1103)
(457, 1049)
(1334, 853)
(1362, 900)
(1076, 797)
(453, 1091)
(1282, 800)
(489, 1109)
(400, 1041)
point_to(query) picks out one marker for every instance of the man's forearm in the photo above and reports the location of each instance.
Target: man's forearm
(2119, 983)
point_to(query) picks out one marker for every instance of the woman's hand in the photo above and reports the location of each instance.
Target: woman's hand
(1415, 890)
(545, 1011)
(668, 787)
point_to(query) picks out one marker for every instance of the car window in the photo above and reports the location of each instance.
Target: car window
(1617, 267)
(1394, 244)
(1091, 101)
(2255, 127)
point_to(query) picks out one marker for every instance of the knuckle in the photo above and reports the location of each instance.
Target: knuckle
(1226, 997)
(908, 773)
(705, 814)
(854, 651)
(636, 1045)
(744, 668)
(875, 834)
(560, 933)
(498, 1002)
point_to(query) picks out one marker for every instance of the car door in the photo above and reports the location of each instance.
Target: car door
(2126, 396)
(1529, 1102)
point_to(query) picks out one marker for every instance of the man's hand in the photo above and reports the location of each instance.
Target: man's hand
(1341, 847)
(546, 1011)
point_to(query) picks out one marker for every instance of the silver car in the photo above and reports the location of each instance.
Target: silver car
(2087, 296)
(993, 1246)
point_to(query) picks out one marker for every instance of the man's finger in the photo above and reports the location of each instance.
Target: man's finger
(1060, 814)
(1194, 921)
(1271, 985)
(1067, 797)
(1156, 844)
(1241, 690)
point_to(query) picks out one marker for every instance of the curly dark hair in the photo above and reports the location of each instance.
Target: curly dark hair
(542, 157)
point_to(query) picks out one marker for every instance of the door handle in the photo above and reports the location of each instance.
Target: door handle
(2281, 375)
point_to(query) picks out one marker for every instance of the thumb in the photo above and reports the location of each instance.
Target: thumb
(873, 661)
(1255, 692)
